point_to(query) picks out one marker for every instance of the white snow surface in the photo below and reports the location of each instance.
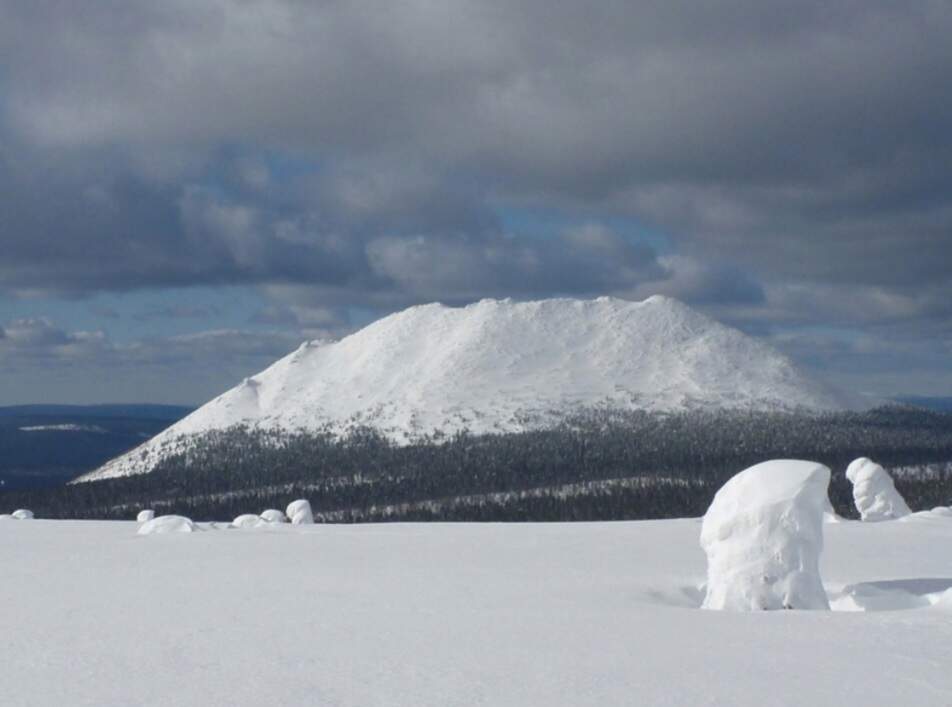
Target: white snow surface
(763, 535)
(161, 525)
(145, 515)
(455, 615)
(500, 365)
(874, 491)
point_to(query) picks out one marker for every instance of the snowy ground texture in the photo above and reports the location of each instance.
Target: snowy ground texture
(543, 614)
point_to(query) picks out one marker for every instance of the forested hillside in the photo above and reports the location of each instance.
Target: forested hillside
(600, 466)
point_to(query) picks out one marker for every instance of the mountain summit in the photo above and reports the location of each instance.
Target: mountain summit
(498, 366)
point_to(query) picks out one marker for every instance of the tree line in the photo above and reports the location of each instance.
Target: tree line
(596, 465)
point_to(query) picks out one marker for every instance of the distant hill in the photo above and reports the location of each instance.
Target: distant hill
(134, 411)
(499, 366)
(939, 404)
(47, 445)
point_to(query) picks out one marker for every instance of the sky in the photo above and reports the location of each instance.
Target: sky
(189, 189)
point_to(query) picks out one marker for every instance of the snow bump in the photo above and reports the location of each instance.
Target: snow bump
(167, 524)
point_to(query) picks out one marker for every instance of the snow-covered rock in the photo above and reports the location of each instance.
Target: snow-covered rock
(23, 514)
(145, 515)
(502, 366)
(247, 520)
(167, 524)
(300, 512)
(874, 492)
(763, 535)
(273, 515)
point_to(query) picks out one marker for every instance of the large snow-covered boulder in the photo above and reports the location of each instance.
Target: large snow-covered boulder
(23, 514)
(763, 536)
(273, 515)
(145, 515)
(167, 524)
(300, 512)
(874, 492)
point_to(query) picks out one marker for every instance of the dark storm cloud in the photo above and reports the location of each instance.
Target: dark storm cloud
(41, 360)
(795, 155)
(798, 138)
(81, 223)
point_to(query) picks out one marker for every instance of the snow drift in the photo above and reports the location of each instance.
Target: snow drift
(874, 492)
(763, 535)
(502, 366)
(247, 520)
(145, 515)
(167, 524)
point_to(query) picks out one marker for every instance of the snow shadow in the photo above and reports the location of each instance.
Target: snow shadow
(880, 595)
(893, 594)
(683, 597)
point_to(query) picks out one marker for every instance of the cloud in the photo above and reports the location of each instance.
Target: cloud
(793, 159)
(40, 360)
(803, 144)
(709, 283)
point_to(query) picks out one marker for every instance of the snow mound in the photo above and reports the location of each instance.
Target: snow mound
(894, 595)
(300, 512)
(23, 514)
(502, 366)
(273, 515)
(247, 520)
(939, 513)
(144, 516)
(763, 535)
(167, 524)
(874, 492)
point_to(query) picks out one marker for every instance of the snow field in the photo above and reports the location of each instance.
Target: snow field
(458, 614)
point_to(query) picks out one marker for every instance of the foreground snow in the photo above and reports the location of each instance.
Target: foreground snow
(443, 615)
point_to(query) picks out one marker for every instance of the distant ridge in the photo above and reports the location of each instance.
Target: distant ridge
(142, 411)
(501, 366)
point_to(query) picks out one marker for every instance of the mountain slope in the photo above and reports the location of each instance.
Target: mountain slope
(503, 366)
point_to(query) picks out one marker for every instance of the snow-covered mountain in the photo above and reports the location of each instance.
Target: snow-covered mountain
(499, 365)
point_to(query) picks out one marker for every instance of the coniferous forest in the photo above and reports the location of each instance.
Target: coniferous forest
(600, 465)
